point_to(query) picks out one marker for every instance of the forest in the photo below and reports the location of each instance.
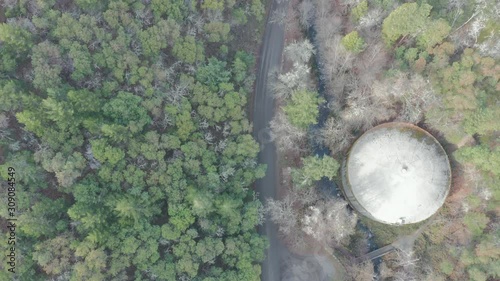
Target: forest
(350, 65)
(125, 122)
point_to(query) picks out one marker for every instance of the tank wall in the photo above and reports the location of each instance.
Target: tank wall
(440, 177)
(348, 194)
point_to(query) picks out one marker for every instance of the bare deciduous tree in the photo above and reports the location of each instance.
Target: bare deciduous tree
(413, 93)
(335, 64)
(370, 63)
(374, 17)
(89, 155)
(324, 9)
(282, 213)
(299, 52)
(9, 4)
(285, 135)
(286, 213)
(4, 121)
(361, 271)
(417, 99)
(302, 215)
(279, 16)
(336, 135)
(329, 221)
(306, 13)
(283, 85)
(363, 111)
(404, 266)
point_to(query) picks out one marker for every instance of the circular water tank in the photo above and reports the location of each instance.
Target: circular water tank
(396, 173)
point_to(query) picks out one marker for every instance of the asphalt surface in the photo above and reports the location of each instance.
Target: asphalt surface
(308, 268)
(263, 111)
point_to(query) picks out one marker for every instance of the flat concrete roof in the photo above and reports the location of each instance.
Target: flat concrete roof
(397, 173)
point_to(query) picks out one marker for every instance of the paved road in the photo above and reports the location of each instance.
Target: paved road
(263, 111)
(308, 268)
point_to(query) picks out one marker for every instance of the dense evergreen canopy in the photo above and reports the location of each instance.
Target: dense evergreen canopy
(126, 123)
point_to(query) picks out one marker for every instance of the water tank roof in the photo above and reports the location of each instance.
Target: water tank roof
(397, 173)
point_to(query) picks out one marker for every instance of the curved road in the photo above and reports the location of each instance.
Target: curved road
(263, 111)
